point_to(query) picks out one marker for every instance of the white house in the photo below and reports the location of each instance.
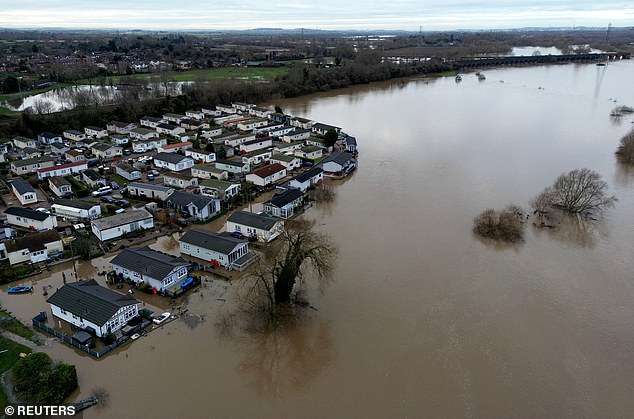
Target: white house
(48, 138)
(178, 180)
(74, 135)
(257, 144)
(23, 191)
(309, 178)
(119, 139)
(75, 156)
(197, 206)
(290, 162)
(173, 117)
(22, 142)
(157, 269)
(195, 114)
(338, 163)
(34, 248)
(59, 149)
(260, 112)
(280, 131)
(219, 189)
(170, 129)
(208, 171)
(120, 127)
(76, 209)
(211, 111)
(227, 251)
(151, 121)
(296, 135)
(322, 129)
(260, 227)
(89, 306)
(93, 178)
(201, 156)
(127, 171)
(310, 152)
(148, 190)
(172, 161)
(95, 132)
(119, 224)
(143, 133)
(226, 109)
(251, 124)
(283, 204)
(30, 219)
(234, 167)
(60, 186)
(211, 132)
(173, 148)
(236, 140)
(350, 144)
(28, 166)
(106, 151)
(267, 175)
(147, 145)
(302, 123)
(256, 157)
(62, 170)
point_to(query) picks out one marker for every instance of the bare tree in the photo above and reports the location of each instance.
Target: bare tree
(504, 225)
(580, 191)
(303, 251)
(625, 152)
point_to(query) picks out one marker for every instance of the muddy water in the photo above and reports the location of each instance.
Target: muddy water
(424, 319)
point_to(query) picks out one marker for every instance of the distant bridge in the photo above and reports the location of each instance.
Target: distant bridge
(479, 62)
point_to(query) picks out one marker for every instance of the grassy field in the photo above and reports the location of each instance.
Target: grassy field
(8, 112)
(238, 73)
(8, 323)
(7, 360)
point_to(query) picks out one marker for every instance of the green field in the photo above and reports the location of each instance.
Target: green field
(236, 73)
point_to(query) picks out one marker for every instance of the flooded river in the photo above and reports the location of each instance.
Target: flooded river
(424, 319)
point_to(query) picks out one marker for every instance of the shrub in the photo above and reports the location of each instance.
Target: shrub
(625, 152)
(504, 225)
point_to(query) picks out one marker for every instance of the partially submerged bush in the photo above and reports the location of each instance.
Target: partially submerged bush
(625, 152)
(504, 225)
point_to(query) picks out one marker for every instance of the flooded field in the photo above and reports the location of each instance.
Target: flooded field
(424, 319)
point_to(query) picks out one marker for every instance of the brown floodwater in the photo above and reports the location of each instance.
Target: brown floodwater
(424, 319)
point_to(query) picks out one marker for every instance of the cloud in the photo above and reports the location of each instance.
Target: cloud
(325, 14)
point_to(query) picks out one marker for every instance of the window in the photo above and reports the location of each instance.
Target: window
(62, 311)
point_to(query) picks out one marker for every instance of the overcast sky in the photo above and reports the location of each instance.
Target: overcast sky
(322, 14)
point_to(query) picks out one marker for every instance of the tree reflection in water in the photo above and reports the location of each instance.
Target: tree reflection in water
(287, 357)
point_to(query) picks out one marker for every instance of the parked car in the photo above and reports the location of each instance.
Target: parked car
(237, 235)
(105, 190)
(107, 199)
(150, 176)
(127, 152)
(160, 319)
(122, 203)
(114, 185)
(155, 172)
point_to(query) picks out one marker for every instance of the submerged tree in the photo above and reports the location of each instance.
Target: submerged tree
(505, 225)
(625, 152)
(304, 252)
(580, 191)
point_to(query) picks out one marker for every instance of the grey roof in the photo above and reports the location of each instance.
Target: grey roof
(121, 219)
(351, 141)
(283, 157)
(148, 186)
(76, 203)
(168, 126)
(58, 181)
(303, 177)
(284, 198)
(47, 134)
(142, 130)
(183, 199)
(319, 125)
(89, 300)
(29, 213)
(149, 262)
(73, 131)
(59, 146)
(250, 219)
(217, 184)
(92, 175)
(171, 157)
(230, 163)
(28, 162)
(151, 119)
(126, 167)
(22, 186)
(102, 146)
(338, 157)
(211, 241)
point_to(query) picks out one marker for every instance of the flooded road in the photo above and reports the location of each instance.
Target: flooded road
(424, 319)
